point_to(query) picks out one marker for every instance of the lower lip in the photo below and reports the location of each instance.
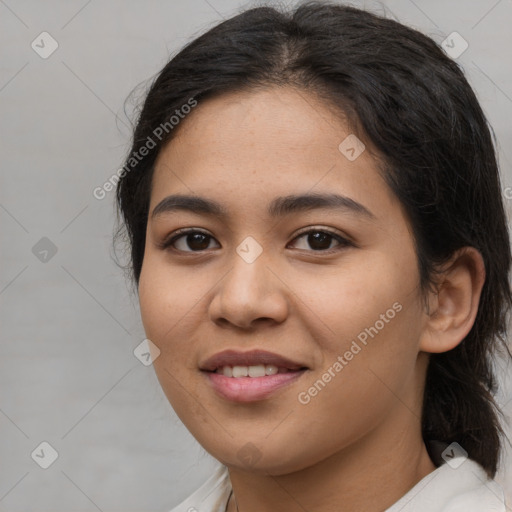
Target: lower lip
(251, 389)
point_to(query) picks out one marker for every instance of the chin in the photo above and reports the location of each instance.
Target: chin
(264, 460)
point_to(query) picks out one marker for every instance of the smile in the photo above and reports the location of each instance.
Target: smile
(239, 388)
(248, 376)
(260, 370)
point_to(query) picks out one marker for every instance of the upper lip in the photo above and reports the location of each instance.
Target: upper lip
(250, 358)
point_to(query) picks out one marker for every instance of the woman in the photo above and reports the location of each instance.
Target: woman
(319, 244)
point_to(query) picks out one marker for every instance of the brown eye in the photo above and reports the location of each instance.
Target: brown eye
(197, 241)
(319, 240)
(189, 241)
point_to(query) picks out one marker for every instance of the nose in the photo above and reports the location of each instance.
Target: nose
(249, 294)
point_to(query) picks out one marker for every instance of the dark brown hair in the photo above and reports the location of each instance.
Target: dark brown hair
(416, 107)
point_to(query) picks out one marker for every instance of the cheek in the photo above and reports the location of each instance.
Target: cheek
(371, 316)
(167, 295)
(165, 303)
(351, 297)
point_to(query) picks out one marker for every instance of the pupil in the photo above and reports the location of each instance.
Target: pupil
(197, 238)
(316, 237)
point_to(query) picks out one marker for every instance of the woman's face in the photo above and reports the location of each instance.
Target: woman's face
(269, 274)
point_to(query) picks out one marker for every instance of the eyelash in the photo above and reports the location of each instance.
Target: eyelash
(167, 243)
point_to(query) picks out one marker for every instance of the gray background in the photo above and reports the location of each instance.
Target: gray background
(68, 375)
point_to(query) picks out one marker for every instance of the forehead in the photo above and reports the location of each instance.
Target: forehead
(282, 116)
(249, 147)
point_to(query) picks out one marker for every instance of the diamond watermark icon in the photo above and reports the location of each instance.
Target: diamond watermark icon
(351, 147)
(146, 352)
(249, 454)
(44, 45)
(249, 249)
(454, 455)
(44, 455)
(454, 45)
(44, 250)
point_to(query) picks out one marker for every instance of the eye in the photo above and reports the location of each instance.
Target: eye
(191, 238)
(320, 240)
(184, 239)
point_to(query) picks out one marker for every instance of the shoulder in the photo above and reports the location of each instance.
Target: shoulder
(481, 494)
(212, 496)
(461, 486)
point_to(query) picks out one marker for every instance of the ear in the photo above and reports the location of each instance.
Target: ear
(454, 304)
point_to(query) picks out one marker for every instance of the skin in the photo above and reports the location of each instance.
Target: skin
(357, 444)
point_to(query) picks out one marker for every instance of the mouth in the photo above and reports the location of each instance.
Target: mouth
(250, 376)
(259, 370)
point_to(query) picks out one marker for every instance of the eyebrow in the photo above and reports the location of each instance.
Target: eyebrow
(279, 207)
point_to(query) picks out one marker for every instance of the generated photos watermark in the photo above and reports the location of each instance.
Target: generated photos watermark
(304, 397)
(159, 133)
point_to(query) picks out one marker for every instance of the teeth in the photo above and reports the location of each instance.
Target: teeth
(240, 371)
(270, 369)
(260, 370)
(257, 371)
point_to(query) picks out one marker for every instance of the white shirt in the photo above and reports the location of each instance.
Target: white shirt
(464, 489)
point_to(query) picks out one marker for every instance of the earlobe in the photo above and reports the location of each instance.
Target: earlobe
(454, 305)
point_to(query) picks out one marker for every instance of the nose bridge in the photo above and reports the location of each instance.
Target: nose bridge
(249, 272)
(249, 250)
(249, 290)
